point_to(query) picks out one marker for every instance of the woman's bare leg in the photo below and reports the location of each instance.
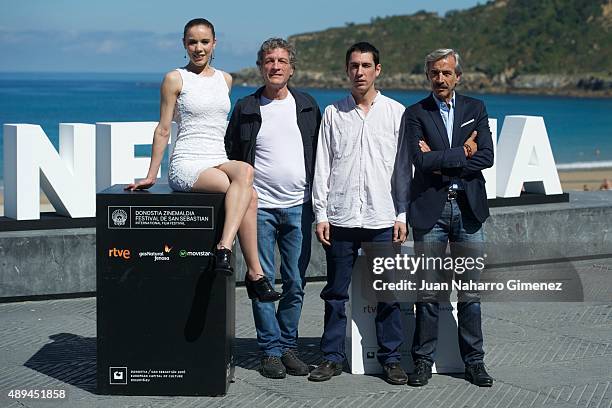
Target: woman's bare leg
(247, 233)
(235, 179)
(237, 194)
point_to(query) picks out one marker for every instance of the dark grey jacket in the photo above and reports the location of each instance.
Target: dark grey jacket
(245, 123)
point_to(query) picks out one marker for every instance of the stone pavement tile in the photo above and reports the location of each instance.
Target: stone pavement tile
(592, 395)
(13, 404)
(595, 276)
(241, 394)
(588, 370)
(499, 329)
(588, 320)
(553, 315)
(28, 326)
(546, 350)
(542, 354)
(452, 395)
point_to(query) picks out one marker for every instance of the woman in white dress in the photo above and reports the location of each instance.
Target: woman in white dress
(197, 98)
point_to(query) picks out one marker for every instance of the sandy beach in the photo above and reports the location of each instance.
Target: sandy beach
(578, 179)
(45, 206)
(571, 180)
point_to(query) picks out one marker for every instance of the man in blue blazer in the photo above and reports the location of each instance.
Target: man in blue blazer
(448, 138)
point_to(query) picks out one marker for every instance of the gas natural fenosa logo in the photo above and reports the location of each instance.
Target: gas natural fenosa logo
(163, 255)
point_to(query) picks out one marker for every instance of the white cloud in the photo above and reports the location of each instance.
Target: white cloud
(109, 50)
(108, 47)
(168, 42)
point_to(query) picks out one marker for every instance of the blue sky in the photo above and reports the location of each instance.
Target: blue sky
(144, 36)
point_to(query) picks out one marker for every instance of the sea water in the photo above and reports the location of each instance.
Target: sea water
(579, 129)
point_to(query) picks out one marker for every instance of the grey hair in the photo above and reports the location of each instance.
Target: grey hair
(441, 53)
(272, 44)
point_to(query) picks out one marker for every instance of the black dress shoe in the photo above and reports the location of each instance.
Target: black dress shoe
(394, 374)
(261, 289)
(421, 374)
(223, 259)
(272, 367)
(477, 375)
(326, 370)
(293, 364)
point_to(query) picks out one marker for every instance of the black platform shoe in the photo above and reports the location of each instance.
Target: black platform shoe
(223, 258)
(261, 289)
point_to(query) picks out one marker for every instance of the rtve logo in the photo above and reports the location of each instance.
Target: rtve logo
(119, 253)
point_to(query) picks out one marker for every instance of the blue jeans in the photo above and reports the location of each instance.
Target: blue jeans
(291, 229)
(341, 256)
(456, 224)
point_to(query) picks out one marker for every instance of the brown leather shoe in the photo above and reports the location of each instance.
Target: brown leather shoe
(326, 370)
(271, 367)
(293, 364)
(393, 373)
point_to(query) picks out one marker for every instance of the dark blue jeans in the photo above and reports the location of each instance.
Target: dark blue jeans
(341, 256)
(291, 229)
(457, 224)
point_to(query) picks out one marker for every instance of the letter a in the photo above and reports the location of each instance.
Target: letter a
(524, 158)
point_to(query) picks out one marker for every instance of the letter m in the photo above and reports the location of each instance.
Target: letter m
(31, 163)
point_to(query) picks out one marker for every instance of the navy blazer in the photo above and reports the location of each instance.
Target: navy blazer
(428, 190)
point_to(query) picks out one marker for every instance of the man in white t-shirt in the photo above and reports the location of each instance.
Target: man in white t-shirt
(275, 129)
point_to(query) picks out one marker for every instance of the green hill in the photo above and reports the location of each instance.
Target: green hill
(505, 36)
(524, 44)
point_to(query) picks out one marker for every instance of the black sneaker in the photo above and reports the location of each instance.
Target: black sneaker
(421, 374)
(325, 371)
(477, 375)
(271, 367)
(293, 364)
(393, 373)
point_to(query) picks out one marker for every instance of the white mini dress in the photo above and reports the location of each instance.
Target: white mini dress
(201, 115)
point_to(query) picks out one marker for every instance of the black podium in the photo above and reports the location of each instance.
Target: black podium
(165, 319)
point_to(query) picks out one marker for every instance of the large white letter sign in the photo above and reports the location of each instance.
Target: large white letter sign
(525, 158)
(115, 142)
(31, 163)
(115, 162)
(490, 174)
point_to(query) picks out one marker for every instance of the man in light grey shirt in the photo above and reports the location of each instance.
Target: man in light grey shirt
(354, 203)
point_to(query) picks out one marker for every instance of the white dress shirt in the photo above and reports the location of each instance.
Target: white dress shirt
(355, 161)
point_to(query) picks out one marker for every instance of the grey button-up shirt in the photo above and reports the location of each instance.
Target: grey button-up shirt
(355, 161)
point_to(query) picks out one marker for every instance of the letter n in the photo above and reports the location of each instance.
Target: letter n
(31, 163)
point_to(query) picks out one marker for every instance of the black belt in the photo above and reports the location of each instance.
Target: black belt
(455, 194)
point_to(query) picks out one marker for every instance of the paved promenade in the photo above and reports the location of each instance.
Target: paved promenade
(541, 354)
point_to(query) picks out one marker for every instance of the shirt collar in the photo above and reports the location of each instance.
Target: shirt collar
(353, 104)
(442, 104)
